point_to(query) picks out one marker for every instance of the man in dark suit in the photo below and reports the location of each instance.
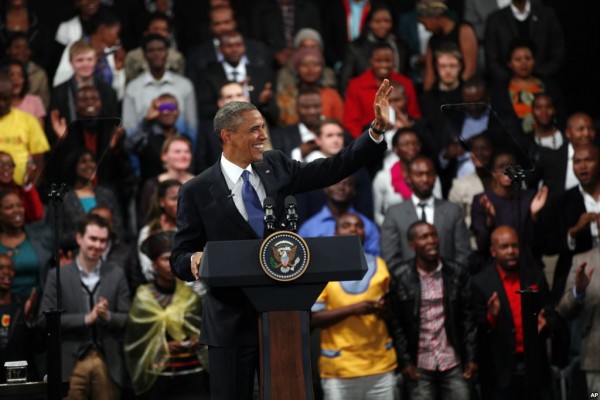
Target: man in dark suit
(96, 301)
(257, 81)
(222, 204)
(555, 167)
(445, 216)
(498, 314)
(524, 18)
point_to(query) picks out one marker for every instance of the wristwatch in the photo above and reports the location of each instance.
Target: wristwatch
(377, 131)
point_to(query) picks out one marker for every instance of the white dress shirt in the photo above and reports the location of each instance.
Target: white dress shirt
(233, 178)
(428, 207)
(236, 74)
(571, 180)
(521, 16)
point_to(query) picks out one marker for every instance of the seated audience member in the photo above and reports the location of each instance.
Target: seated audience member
(497, 206)
(162, 337)
(82, 56)
(109, 55)
(390, 185)
(80, 25)
(339, 201)
(157, 126)
(21, 136)
(135, 62)
(273, 24)
(308, 65)
(329, 140)
(257, 80)
(357, 359)
(465, 188)
(357, 111)
(378, 29)
(176, 158)
(22, 99)
(18, 17)
(95, 300)
(29, 245)
(580, 299)
(433, 323)
(222, 21)
(571, 218)
(512, 99)
(445, 216)
(18, 49)
(30, 198)
(545, 131)
(499, 318)
(79, 172)
(555, 167)
(524, 18)
(306, 38)
(18, 317)
(209, 149)
(301, 135)
(142, 91)
(161, 217)
(434, 15)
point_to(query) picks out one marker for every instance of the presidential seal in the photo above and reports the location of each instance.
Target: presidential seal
(284, 256)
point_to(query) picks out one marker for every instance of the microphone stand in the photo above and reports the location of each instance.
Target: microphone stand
(528, 299)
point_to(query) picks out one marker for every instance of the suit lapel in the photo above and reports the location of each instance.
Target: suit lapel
(438, 215)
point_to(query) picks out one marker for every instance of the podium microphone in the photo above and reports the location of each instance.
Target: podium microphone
(291, 216)
(269, 220)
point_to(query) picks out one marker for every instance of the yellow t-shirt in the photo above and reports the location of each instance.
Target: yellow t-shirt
(21, 136)
(359, 345)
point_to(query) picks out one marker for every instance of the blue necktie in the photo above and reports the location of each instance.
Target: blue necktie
(252, 204)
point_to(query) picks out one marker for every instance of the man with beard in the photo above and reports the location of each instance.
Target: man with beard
(433, 325)
(500, 325)
(445, 216)
(357, 109)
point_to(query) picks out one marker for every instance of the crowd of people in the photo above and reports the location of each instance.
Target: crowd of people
(119, 101)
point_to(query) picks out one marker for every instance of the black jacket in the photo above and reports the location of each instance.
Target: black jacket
(405, 299)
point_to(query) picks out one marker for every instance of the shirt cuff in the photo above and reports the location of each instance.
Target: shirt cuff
(376, 140)
(571, 242)
(578, 296)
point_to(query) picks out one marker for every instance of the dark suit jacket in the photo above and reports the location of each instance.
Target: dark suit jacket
(286, 139)
(459, 320)
(207, 213)
(544, 31)
(447, 218)
(550, 167)
(497, 346)
(213, 77)
(75, 333)
(209, 147)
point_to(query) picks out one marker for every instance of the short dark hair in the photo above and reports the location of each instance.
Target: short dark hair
(308, 90)
(421, 157)
(103, 17)
(410, 233)
(379, 46)
(6, 69)
(403, 131)
(154, 37)
(91, 219)
(230, 116)
(157, 16)
(520, 43)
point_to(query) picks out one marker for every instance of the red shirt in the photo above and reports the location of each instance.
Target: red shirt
(510, 281)
(358, 109)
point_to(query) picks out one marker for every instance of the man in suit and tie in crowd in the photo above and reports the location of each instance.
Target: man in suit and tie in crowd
(224, 203)
(445, 216)
(95, 299)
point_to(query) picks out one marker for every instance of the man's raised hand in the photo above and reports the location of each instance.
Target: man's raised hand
(381, 105)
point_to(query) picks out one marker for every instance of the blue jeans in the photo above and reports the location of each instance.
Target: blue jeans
(372, 387)
(445, 385)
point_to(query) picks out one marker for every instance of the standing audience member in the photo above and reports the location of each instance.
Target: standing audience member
(21, 136)
(545, 131)
(423, 206)
(525, 19)
(499, 318)
(95, 299)
(357, 109)
(30, 198)
(22, 99)
(142, 91)
(29, 245)
(433, 324)
(580, 299)
(135, 62)
(18, 17)
(80, 25)
(18, 49)
(357, 357)
(434, 15)
(161, 341)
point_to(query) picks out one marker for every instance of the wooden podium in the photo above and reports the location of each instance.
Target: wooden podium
(283, 307)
